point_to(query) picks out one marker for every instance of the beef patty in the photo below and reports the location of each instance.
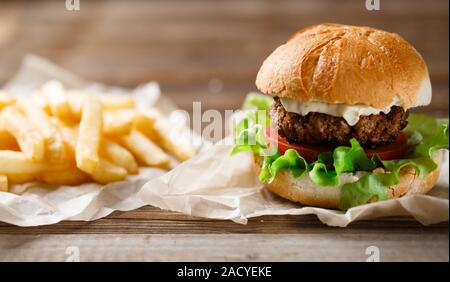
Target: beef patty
(323, 129)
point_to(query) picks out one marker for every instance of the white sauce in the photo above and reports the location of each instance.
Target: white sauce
(351, 113)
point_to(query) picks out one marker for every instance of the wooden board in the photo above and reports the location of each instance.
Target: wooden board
(184, 45)
(150, 234)
(229, 247)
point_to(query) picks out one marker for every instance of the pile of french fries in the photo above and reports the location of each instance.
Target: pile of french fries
(69, 137)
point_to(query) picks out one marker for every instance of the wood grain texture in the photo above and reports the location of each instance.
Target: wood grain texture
(151, 220)
(184, 45)
(232, 247)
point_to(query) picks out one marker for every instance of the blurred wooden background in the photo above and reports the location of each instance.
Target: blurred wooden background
(201, 50)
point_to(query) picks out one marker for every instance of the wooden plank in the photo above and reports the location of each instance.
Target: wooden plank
(150, 220)
(234, 247)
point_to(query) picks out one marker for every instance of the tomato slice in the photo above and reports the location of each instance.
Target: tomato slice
(392, 151)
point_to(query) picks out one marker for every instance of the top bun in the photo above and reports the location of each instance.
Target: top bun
(335, 63)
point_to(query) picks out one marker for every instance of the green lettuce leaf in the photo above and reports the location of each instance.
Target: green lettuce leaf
(422, 166)
(427, 126)
(375, 185)
(349, 159)
(430, 144)
(291, 160)
(249, 131)
(371, 186)
(266, 176)
(249, 139)
(320, 175)
(258, 102)
(325, 158)
(425, 136)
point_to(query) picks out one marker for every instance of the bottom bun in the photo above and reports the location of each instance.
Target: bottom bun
(304, 191)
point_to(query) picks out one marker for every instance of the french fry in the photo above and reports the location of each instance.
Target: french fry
(68, 134)
(12, 162)
(68, 176)
(108, 172)
(105, 170)
(40, 120)
(115, 102)
(89, 135)
(118, 121)
(53, 174)
(118, 155)
(76, 99)
(109, 102)
(160, 132)
(55, 95)
(42, 103)
(30, 140)
(7, 141)
(5, 100)
(20, 178)
(146, 124)
(3, 183)
(72, 137)
(144, 149)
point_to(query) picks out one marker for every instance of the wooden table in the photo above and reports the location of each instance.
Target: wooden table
(150, 234)
(209, 52)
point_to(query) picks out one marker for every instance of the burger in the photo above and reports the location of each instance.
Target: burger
(337, 131)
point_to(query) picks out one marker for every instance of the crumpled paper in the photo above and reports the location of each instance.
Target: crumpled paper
(216, 185)
(34, 203)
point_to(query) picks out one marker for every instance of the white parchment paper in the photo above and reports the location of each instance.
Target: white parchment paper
(34, 203)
